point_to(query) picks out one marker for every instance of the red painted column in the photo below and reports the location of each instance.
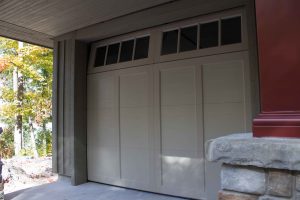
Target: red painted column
(278, 31)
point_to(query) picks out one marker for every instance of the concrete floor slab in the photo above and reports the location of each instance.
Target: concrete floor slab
(63, 190)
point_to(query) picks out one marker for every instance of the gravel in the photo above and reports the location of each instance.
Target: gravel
(25, 172)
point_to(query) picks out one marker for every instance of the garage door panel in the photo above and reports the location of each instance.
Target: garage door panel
(134, 127)
(223, 119)
(102, 86)
(104, 170)
(178, 86)
(182, 168)
(134, 89)
(220, 120)
(224, 98)
(179, 131)
(178, 110)
(135, 165)
(102, 128)
(183, 172)
(102, 122)
(149, 131)
(223, 82)
(224, 107)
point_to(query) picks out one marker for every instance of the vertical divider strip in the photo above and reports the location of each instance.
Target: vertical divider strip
(118, 107)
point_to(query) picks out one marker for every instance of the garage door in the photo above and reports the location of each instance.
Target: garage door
(148, 122)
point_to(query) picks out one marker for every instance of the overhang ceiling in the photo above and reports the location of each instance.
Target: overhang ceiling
(52, 18)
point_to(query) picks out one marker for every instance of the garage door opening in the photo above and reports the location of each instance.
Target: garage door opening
(149, 116)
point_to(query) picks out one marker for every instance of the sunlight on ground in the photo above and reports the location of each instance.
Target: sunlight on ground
(25, 172)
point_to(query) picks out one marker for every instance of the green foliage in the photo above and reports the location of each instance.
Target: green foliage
(8, 47)
(7, 143)
(26, 152)
(35, 64)
(44, 143)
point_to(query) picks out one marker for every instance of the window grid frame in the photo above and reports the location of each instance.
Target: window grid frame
(179, 35)
(219, 20)
(139, 37)
(119, 50)
(162, 38)
(155, 41)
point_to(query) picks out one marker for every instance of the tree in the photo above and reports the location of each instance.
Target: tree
(26, 93)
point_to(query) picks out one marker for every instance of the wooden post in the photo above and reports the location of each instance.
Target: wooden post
(278, 31)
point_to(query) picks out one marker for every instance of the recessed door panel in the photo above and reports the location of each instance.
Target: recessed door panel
(103, 136)
(182, 166)
(224, 106)
(135, 127)
(224, 98)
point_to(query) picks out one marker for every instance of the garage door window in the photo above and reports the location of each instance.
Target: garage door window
(199, 36)
(188, 38)
(112, 54)
(231, 30)
(141, 48)
(209, 34)
(100, 56)
(169, 42)
(124, 51)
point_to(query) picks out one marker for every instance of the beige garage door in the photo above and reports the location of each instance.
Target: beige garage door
(147, 125)
(155, 99)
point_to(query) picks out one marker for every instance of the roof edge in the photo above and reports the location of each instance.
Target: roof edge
(15, 32)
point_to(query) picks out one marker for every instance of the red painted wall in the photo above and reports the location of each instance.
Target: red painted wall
(278, 31)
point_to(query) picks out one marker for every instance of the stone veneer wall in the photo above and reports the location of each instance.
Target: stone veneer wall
(253, 183)
(257, 168)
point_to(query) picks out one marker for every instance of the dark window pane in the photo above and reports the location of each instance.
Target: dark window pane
(126, 50)
(100, 56)
(209, 35)
(169, 42)
(141, 48)
(112, 53)
(231, 31)
(188, 38)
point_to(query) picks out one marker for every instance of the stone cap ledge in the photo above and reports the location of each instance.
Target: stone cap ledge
(244, 149)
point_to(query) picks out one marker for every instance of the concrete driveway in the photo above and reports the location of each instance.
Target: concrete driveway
(63, 190)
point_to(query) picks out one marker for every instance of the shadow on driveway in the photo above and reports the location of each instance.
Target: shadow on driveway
(14, 194)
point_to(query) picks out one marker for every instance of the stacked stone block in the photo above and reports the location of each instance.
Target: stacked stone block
(257, 168)
(253, 183)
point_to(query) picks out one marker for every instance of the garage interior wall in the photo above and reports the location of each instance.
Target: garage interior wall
(69, 89)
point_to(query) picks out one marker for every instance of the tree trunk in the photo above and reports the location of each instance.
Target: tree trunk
(18, 89)
(44, 140)
(18, 86)
(32, 138)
